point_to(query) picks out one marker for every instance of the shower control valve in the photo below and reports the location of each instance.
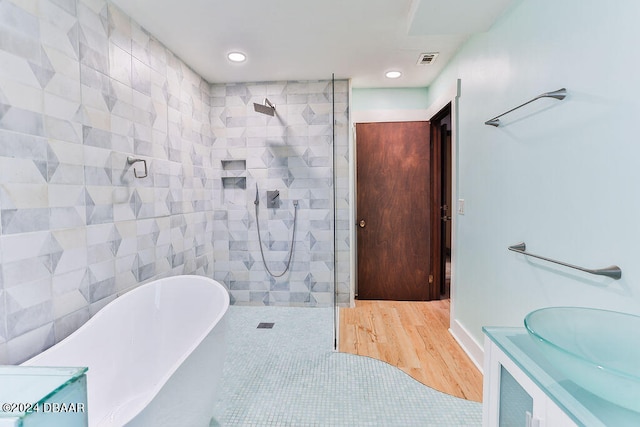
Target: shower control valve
(273, 199)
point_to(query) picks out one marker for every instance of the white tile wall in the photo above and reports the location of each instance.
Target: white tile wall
(81, 88)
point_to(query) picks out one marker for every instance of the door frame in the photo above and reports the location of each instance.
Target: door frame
(451, 96)
(437, 178)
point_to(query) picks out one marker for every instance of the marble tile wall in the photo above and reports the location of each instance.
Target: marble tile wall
(82, 87)
(292, 152)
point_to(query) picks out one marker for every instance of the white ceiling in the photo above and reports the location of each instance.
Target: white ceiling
(309, 40)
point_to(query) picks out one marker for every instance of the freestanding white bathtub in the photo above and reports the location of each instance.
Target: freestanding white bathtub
(155, 354)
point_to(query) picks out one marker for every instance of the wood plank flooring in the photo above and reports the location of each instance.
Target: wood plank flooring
(414, 337)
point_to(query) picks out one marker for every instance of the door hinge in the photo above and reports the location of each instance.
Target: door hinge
(430, 278)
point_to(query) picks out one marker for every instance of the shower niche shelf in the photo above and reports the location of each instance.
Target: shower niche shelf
(234, 165)
(234, 173)
(232, 182)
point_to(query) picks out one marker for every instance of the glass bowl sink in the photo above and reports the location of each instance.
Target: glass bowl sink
(597, 349)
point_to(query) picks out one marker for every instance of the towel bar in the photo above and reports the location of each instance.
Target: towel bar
(612, 271)
(559, 94)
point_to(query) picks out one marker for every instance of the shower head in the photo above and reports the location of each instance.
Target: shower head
(265, 108)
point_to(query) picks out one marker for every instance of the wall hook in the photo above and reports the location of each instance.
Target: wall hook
(132, 160)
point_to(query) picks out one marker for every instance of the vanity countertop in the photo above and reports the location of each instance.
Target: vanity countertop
(581, 406)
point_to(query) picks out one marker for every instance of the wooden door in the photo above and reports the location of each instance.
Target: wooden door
(394, 211)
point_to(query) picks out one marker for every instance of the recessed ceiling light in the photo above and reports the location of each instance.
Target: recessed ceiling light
(393, 74)
(236, 56)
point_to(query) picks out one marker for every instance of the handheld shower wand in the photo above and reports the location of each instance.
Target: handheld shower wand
(256, 202)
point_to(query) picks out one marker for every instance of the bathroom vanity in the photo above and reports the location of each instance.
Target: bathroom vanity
(43, 397)
(522, 388)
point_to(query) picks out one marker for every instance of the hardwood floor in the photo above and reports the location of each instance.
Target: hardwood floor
(414, 337)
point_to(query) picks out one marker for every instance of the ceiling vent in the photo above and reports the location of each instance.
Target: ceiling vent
(427, 58)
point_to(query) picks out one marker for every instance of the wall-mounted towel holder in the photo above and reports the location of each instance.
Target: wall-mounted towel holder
(612, 271)
(132, 160)
(559, 94)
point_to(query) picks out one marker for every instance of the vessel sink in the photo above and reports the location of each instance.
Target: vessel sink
(599, 350)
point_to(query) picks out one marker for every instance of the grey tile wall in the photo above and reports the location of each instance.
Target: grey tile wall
(292, 152)
(82, 86)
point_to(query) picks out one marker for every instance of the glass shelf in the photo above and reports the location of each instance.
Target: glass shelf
(580, 405)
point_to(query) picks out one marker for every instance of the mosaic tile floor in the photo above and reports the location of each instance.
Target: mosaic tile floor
(289, 376)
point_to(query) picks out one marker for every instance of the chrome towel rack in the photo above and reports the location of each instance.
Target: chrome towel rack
(612, 271)
(133, 160)
(559, 94)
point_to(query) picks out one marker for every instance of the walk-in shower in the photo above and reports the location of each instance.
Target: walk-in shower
(265, 108)
(291, 139)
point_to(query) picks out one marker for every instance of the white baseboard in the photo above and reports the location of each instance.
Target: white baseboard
(474, 350)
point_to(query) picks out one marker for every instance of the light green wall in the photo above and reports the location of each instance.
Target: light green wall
(563, 176)
(389, 99)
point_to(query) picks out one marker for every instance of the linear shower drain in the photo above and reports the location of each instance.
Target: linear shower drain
(262, 325)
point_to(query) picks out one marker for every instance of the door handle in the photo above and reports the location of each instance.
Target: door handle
(445, 218)
(362, 223)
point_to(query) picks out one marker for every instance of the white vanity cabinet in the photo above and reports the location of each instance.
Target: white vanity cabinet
(511, 398)
(522, 389)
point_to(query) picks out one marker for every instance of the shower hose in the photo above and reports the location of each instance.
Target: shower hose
(293, 237)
